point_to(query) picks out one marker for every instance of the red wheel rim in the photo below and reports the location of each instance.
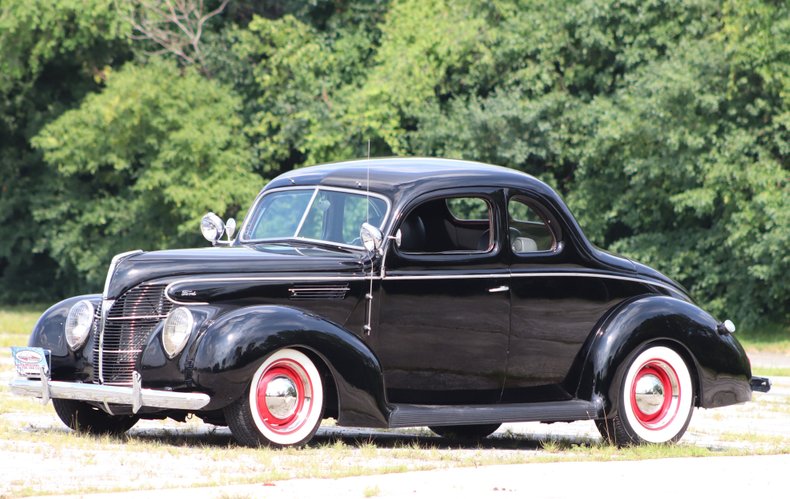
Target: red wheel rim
(667, 378)
(297, 376)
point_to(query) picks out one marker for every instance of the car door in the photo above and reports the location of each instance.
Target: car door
(444, 303)
(556, 300)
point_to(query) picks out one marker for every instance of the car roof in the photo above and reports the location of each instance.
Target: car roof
(394, 176)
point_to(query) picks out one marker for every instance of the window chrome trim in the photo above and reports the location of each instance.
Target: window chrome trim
(315, 188)
(304, 215)
(548, 218)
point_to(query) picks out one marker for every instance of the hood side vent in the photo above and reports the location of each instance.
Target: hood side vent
(318, 292)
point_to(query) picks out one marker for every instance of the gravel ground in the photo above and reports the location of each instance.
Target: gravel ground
(724, 477)
(38, 455)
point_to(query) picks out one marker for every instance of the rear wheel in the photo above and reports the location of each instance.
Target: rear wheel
(81, 416)
(283, 405)
(466, 432)
(655, 400)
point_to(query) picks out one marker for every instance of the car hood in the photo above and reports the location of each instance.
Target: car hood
(240, 260)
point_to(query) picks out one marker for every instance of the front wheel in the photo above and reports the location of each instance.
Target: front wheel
(656, 400)
(283, 405)
(81, 416)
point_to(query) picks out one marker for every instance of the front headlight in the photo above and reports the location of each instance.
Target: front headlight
(178, 327)
(78, 323)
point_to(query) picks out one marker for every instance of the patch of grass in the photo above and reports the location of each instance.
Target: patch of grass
(756, 438)
(16, 322)
(766, 338)
(771, 371)
(14, 404)
(372, 491)
(209, 462)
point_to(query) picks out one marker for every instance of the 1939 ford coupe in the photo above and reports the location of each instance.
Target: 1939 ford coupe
(387, 293)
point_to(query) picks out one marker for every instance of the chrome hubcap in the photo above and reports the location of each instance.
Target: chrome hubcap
(281, 397)
(649, 394)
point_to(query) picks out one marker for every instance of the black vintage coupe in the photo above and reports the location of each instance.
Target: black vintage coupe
(388, 293)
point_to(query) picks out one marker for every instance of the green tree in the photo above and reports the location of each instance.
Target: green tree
(51, 54)
(138, 165)
(663, 122)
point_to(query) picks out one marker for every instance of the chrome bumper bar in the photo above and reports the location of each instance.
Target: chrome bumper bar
(136, 396)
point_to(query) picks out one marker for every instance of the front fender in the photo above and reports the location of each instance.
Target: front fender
(719, 365)
(236, 344)
(49, 333)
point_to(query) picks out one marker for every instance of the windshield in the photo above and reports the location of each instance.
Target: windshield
(315, 214)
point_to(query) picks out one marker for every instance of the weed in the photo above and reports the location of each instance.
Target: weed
(372, 491)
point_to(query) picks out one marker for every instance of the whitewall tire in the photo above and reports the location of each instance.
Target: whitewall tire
(656, 399)
(283, 405)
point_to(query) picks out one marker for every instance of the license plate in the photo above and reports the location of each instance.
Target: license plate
(30, 360)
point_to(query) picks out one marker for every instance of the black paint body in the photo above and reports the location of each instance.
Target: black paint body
(440, 338)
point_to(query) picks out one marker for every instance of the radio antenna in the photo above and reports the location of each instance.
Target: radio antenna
(369, 295)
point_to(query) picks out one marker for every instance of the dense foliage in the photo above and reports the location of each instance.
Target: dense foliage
(664, 123)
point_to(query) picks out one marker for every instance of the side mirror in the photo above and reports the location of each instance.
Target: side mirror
(371, 237)
(230, 228)
(398, 238)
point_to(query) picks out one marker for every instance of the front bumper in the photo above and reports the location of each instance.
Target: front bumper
(760, 384)
(135, 396)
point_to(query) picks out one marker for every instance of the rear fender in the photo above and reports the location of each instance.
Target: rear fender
(235, 345)
(718, 364)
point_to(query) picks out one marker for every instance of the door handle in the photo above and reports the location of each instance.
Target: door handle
(500, 289)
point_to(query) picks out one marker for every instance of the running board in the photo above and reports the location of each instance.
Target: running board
(404, 415)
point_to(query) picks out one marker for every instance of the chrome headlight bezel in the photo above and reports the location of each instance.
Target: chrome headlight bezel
(79, 323)
(176, 331)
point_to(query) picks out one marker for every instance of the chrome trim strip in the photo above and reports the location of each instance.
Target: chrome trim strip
(184, 303)
(106, 305)
(598, 275)
(137, 317)
(114, 263)
(413, 277)
(255, 279)
(306, 212)
(110, 394)
(438, 277)
(529, 274)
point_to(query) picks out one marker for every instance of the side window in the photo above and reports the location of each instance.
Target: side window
(468, 209)
(529, 231)
(457, 224)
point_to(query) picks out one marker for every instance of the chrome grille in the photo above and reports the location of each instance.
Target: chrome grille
(128, 324)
